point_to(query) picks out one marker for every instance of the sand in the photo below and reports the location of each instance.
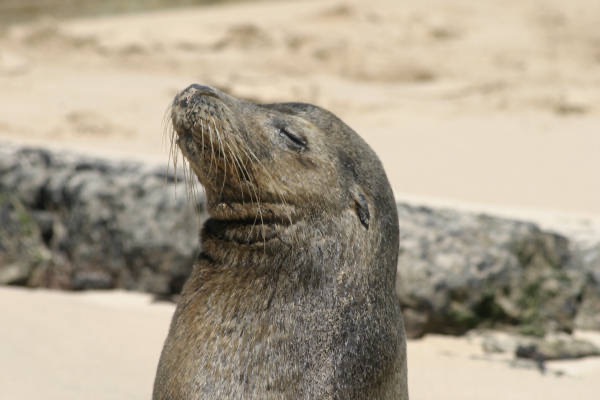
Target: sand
(105, 345)
(487, 106)
(79, 346)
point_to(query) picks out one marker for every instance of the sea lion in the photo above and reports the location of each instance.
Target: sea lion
(292, 295)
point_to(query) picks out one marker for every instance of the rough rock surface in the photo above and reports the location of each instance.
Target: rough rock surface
(557, 347)
(554, 346)
(588, 315)
(22, 250)
(459, 271)
(105, 224)
(78, 223)
(533, 352)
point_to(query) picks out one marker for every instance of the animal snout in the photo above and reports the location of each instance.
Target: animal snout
(192, 92)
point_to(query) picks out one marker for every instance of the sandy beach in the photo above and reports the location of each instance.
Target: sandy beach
(488, 106)
(105, 345)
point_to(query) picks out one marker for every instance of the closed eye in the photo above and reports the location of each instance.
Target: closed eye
(293, 139)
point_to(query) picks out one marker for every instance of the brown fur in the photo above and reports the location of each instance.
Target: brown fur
(292, 296)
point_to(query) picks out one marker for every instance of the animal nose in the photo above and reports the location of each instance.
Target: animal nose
(192, 93)
(200, 90)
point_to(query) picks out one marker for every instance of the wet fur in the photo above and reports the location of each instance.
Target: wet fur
(292, 296)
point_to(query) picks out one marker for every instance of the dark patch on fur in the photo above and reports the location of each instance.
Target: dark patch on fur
(362, 210)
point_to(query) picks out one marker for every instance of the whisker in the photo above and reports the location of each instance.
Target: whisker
(221, 151)
(235, 166)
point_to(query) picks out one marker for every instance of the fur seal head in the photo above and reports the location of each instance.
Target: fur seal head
(277, 164)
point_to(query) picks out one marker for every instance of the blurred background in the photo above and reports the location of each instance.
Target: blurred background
(491, 103)
(475, 107)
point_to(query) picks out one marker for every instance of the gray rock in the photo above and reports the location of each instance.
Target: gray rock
(21, 247)
(588, 314)
(553, 346)
(14, 274)
(557, 347)
(80, 223)
(459, 271)
(503, 342)
(107, 225)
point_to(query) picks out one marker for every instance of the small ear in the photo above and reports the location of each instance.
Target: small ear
(362, 208)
